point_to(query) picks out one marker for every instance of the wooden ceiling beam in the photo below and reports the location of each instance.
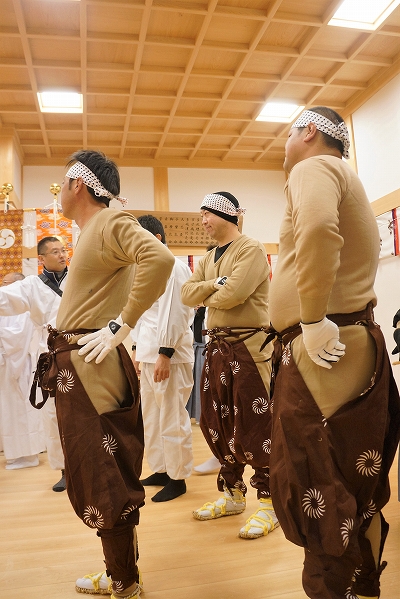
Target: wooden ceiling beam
(304, 50)
(273, 7)
(31, 72)
(138, 59)
(84, 64)
(189, 66)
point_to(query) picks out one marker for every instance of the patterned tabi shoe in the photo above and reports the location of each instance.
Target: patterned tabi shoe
(94, 584)
(229, 504)
(261, 522)
(100, 584)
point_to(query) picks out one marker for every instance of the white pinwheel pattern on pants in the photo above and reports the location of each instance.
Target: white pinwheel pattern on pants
(117, 586)
(286, 355)
(267, 446)
(110, 444)
(92, 517)
(313, 503)
(224, 411)
(369, 463)
(370, 511)
(235, 367)
(260, 405)
(239, 484)
(345, 531)
(128, 511)
(214, 435)
(65, 381)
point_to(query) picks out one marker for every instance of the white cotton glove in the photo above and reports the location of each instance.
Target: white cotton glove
(101, 342)
(220, 282)
(321, 341)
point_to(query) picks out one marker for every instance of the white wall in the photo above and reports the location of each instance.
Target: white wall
(259, 192)
(377, 136)
(136, 185)
(36, 183)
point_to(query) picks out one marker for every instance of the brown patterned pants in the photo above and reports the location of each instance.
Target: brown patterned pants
(329, 476)
(236, 416)
(103, 455)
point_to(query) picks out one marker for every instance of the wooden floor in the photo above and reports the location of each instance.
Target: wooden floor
(44, 547)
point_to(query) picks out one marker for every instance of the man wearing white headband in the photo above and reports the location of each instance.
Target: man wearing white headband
(232, 281)
(335, 401)
(118, 271)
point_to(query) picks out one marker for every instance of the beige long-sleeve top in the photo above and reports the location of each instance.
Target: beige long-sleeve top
(328, 247)
(243, 300)
(117, 267)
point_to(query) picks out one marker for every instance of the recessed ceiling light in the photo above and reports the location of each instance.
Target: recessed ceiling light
(280, 112)
(359, 14)
(53, 101)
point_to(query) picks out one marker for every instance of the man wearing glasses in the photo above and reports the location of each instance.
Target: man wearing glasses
(41, 297)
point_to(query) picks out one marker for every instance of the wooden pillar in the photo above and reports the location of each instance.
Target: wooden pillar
(161, 193)
(352, 161)
(9, 170)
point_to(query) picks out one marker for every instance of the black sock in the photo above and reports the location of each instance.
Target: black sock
(158, 479)
(173, 489)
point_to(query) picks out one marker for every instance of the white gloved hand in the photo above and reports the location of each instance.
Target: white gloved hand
(220, 282)
(321, 341)
(101, 342)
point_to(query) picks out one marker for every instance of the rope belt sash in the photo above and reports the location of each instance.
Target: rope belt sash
(222, 335)
(362, 317)
(46, 369)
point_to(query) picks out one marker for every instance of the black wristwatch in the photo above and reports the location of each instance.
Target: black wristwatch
(114, 326)
(166, 351)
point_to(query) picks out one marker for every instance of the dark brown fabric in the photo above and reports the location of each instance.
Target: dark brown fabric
(119, 548)
(235, 415)
(325, 480)
(103, 455)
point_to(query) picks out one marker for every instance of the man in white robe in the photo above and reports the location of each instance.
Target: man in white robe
(164, 345)
(21, 428)
(41, 297)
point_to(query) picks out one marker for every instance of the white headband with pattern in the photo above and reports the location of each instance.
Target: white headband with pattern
(80, 170)
(221, 204)
(323, 124)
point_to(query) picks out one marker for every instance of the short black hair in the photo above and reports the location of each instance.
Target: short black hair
(41, 246)
(153, 225)
(103, 167)
(335, 118)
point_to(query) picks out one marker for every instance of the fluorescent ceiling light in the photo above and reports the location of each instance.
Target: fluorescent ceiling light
(280, 112)
(363, 14)
(60, 101)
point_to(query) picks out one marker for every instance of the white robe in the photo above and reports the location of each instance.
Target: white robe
(21, 426)
(33, 296)
(167, 427)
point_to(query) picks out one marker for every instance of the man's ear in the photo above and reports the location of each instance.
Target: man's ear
(311, 132)
(40, 259)
(78, 185)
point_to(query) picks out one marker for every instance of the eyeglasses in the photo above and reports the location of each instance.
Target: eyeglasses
(56, 252)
